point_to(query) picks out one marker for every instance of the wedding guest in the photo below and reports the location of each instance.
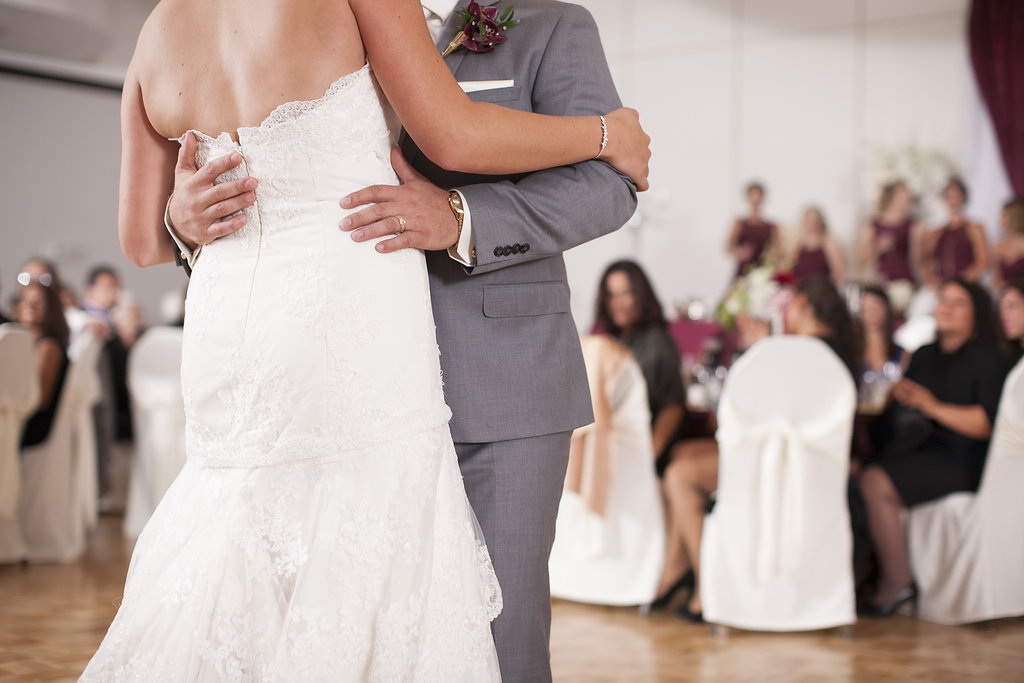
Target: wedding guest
(958, 249)
(1011, 313)
(752, 238)
(815, 309)
(1008, 255)
(817, 253)
(102, 292)
(78, 320)
(877, 320)
(39, 311)
(941, 421)
(890, 243)
(629, 310)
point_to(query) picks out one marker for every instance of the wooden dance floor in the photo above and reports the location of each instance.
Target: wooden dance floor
(53, 617)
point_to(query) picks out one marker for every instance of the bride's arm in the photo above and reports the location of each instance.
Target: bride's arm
(147, 174)
(475, 137)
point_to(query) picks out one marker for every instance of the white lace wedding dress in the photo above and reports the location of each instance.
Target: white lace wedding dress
(319, 530)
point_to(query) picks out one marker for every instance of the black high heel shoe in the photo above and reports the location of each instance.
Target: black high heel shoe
(687, 614)
(885, 610)
(687, 580)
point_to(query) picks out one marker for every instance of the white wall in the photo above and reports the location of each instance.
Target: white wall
(792, 92)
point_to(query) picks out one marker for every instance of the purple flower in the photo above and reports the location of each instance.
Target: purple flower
(482, 28)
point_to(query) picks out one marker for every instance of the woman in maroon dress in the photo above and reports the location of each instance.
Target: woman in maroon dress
(890, 242)
(817, 253)
(959, 248)
(1008, 263)
(752, 238)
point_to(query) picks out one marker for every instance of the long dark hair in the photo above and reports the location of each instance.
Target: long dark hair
(831, 310)
(54, 323)
(649, 311)
(986, 324)
(890, 317)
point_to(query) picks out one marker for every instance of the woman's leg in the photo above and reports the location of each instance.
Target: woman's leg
(676, 561)
(883, 504)
(689, 480)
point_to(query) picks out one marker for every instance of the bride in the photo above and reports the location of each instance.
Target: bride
(319, 530)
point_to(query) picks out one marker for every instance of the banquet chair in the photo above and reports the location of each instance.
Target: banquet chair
(19, 394)
(610, 532)
(776, 549)
(158, 411)
(967, 549)
(58, 476)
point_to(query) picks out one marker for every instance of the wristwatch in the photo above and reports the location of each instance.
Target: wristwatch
(455, 203)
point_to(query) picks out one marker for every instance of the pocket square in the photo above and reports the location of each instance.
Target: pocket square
(477, 86)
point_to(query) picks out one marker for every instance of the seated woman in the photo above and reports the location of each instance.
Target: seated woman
(959, 248)
(629, 310)
(39, 311)
(817, 253)
(883, 358)
(752, 239)
(1011, 313)
(946, 405)
(815, 309)
(1008, 255)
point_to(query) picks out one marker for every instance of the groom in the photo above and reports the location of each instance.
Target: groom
(513, 371)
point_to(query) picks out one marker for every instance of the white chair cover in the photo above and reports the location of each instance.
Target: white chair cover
(158, 414)
(615, 556)
(967, 549)
(58, 474)
(776, 553)
(19, 394)
(88, 388)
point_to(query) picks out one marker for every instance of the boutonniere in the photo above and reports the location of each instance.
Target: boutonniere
(482, 28)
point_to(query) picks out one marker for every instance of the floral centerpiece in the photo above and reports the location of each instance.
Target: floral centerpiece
(756, 293)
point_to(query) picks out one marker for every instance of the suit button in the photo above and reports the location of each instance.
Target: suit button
(507, 250)
(526, 247)
(516, 248)
(497, 251)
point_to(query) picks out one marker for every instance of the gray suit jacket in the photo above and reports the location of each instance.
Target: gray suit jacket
(510, 350)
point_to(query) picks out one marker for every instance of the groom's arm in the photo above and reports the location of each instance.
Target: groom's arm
(515, 221)
(555, 210)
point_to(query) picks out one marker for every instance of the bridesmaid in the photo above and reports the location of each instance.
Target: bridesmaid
(1008, 263)
(890, 242)
(958, 249)
(817, 253)
(752, 238)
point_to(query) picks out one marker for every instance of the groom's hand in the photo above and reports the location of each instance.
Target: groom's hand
(430, 224)
(199, 209)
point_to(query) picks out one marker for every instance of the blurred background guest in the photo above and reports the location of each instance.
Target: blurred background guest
(890, 243)
(883, 359)
(629, 310)
(752, 239)
(79, 321)
(815, 309)
(816, 253)
(39, 311)
(958, 249)
(1008, 255)
(1011, 314)
(932, 441)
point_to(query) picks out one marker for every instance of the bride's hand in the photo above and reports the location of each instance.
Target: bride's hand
(629, 147)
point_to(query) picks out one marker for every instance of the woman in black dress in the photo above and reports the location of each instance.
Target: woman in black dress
(946, 405)
(39, 311)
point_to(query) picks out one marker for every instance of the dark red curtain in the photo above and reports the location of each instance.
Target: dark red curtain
(996, 37)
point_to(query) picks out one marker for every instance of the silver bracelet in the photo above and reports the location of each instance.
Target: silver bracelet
(604, 136)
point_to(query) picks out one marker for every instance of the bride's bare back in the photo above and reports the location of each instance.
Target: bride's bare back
(219, 65)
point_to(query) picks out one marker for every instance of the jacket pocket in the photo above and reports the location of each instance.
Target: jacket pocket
(535, 298)
(497, 94)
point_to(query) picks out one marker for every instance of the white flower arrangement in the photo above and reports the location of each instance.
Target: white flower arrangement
(925, 172)
(753, 293)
